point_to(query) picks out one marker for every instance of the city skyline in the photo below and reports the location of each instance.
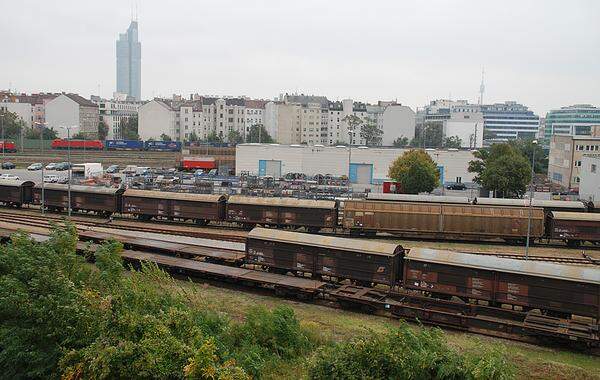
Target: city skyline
(410, 52)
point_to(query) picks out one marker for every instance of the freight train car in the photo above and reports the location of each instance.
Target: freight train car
(15, 192)
(362, 261)
(163, 146)
(311, 214)
(442, 220)
(202, 208)
(547, 205)
(573, 227)
(102, 200)
(124, 145)
(554, 288)
(77, 144)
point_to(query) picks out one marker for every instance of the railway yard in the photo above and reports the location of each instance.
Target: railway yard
(450, 262)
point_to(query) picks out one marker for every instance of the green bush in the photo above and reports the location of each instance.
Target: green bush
(404, 353)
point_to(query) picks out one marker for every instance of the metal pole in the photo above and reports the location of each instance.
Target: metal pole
(69, 159)
(3, 141)
(42, 155)
(530, 204)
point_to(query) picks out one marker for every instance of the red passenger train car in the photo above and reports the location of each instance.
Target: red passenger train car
(77, 144)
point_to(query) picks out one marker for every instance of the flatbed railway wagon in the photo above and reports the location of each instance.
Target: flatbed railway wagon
(573, 227)
(442, 220)
(102, 200)
(202, 208)
(364, 262)
(555, 289)
(15, 192)
(281, 212)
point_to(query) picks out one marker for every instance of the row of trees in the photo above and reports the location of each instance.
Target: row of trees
(429, 135)
(257, 134)
(503, 168)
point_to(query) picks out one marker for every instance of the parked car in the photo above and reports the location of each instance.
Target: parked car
(112, 169)
(9, 176)
(8, 165)
(62, 166)
(51, 166)
(456, 186)
(51, 178)
(63, 180)
(130, 169)
(35, 166)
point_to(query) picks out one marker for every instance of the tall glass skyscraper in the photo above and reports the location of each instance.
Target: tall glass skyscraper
(129, 62)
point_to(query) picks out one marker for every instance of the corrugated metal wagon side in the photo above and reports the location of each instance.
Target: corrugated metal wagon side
(103, 200)
(574, 227)
(554, 288)
(16, 192)
(362, 261)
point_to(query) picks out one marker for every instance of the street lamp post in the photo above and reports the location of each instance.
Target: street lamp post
(534, 143)
(68, 128)
(41, 160)
(3, 142)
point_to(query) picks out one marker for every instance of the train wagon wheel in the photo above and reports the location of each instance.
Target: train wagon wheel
(201, 222)
(313, 230)
(573, 243)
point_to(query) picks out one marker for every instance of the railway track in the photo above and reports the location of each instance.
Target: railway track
(235, 234)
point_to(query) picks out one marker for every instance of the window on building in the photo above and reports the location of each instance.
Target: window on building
(593, 168)
(577, 163)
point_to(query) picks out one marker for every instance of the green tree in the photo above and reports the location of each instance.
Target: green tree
(501, 168)
(102, 130)
(527, 147)
(79, 136)
(12, 124)
(416, 172)
(452, 142)
(401, 142)
(165, 137)
(34, 133)
(371, 133)
(258, 134)
(193, 137)
(353, 122)
(212, 137)
(129, 128)
(235, 137)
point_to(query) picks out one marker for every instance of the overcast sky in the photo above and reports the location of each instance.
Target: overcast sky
(545, 54)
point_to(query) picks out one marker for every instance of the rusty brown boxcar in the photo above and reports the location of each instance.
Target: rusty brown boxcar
(202, 208)
(363, 261)
(555, 288)
(574, 227)
(102, 200)
(16, 192)
(312, 214)
(442, 220)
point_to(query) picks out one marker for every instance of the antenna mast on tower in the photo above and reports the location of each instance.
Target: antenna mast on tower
(481, 87)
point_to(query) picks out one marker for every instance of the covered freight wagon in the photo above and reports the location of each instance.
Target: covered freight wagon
(365, 262)
(442, 220)
(8, 146)
(558, 288)
(574, 227)
(202, 208)
(276, 211)
(16, 192)
(124, 145)
(102, 200)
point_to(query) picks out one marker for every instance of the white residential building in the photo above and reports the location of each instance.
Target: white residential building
(23, 111)
(254, 114)
(589, 174)
(74, 111)
(114, 111)
(467, 123)
(155, 118)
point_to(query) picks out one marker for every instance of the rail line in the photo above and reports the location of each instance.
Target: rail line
(235, 234)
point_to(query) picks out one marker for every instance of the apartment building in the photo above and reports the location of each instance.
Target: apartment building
(254, 113)
(113, 112)
(31, 108)
(566, 155)
(72, 110)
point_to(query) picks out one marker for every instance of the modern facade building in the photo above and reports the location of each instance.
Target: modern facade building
(575, 120)
(129, 62)
(113, 112)
(365, 166)
(72, 110)
(566, 155)
(509, 121)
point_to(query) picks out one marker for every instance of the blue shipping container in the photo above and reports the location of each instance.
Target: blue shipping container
(168, 146)
(124, 145)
